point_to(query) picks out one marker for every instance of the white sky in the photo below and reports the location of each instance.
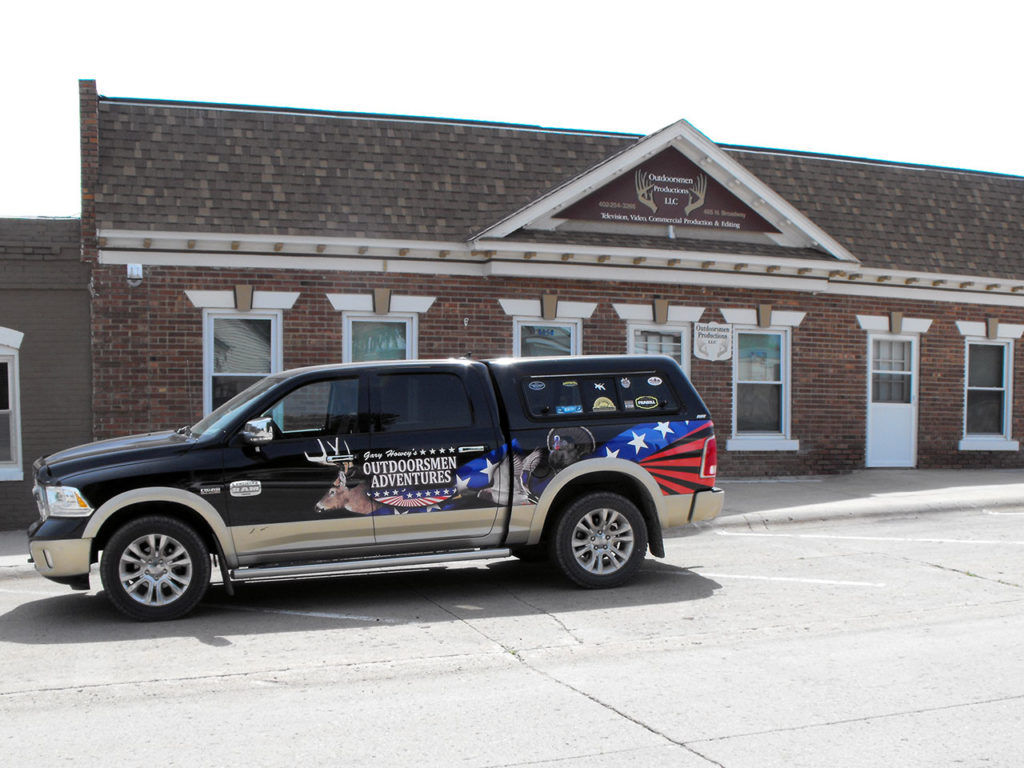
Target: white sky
(933, 82)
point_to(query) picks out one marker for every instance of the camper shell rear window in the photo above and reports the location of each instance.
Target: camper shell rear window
(599, 395)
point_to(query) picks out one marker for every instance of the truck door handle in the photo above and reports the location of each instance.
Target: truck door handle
(471, 448)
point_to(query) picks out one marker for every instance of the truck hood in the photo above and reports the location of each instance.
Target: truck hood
(119, 450)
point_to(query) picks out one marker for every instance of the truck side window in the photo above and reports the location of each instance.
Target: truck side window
(423, 401)
(320, 408)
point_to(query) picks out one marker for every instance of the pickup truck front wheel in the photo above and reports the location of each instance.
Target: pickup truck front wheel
(155, 568)
(600, 540)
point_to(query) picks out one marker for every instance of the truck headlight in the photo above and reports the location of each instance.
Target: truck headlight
(65, 501)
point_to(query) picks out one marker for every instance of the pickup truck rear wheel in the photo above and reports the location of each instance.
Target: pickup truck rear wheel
(155, 568)
(600, 540)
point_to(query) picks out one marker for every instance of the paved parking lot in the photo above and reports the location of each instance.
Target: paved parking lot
(864, 642)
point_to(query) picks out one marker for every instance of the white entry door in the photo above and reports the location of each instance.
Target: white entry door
(892, 402)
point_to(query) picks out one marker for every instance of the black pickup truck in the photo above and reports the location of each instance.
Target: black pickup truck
(318, 471)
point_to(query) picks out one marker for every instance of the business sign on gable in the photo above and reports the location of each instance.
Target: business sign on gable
(668, 189)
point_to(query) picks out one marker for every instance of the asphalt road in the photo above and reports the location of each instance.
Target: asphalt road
(854, 643)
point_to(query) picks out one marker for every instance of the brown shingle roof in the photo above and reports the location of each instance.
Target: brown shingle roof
(166, 166)
(904, 217)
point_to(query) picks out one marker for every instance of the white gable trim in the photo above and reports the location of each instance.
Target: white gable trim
(780, 319)
(1006, 330)
(796, 229)
(644, 313)
(575, 310)
(11, 338)
(226, 299)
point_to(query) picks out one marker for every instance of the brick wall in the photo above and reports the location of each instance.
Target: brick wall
(148, 352)
(44, 295)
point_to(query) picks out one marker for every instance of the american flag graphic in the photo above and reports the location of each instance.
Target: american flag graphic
(669, 450)
(414, 499)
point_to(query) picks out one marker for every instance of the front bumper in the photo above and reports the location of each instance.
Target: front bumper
(58, 549)
(707, 504)
(60, 558)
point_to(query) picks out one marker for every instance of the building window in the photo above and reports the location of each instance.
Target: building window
(240, 349)
(761, 392)
(379, 337)
(987, 397)
(10, 411)
(671, 341)
(539, 338)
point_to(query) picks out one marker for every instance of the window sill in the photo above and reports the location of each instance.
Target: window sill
(762, 444)
(11, 474)
(988, 444)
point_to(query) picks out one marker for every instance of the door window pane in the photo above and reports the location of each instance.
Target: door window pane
(891, 371)
(380, 340)
(890, 388)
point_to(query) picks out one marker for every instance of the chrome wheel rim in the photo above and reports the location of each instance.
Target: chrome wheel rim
(602, 541)
(155, 569)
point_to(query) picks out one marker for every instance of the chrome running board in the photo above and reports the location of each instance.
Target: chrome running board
(252, 573)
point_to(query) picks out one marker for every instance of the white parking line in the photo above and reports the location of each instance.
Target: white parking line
(869, 538)
(793, 579)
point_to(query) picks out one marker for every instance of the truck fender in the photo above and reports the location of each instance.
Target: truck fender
(581, 470)
(200, 506)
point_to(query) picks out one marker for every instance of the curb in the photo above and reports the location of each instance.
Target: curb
(910, 505)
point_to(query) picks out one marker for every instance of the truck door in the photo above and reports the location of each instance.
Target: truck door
(436, 468)
(300, 493)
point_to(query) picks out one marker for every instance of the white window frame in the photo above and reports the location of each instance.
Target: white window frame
(683, 329)
(209, 317)
(990, 442)
(764, 441)
(412, 330)
(575, 327)
(12, 470)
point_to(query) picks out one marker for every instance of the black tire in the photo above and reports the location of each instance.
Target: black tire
(155, 568)
(600, 540)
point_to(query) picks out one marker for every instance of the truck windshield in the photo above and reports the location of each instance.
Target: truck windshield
(219, 418)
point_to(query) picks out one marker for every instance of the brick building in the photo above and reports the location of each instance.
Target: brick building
(834, 312)
(45, 380)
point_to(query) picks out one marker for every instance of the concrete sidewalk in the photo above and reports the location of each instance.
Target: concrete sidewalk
(757, 502)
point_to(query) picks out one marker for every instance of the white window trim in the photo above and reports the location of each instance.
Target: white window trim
(986, 442)
(781, 441)
(575, 327)
(683, 329)
(411, 319)
(276, 354)
(10, 344)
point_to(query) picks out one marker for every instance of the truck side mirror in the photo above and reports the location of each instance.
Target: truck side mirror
(258, 431)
